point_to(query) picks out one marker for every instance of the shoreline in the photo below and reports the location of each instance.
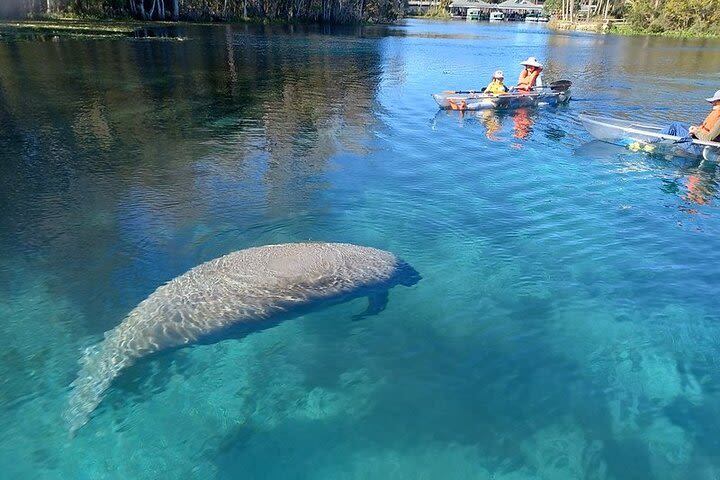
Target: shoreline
(619, 27)
(128, 25)
(125, 24)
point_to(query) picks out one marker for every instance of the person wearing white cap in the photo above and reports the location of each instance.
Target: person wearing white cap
(496, 85)
(708, 131)
(530, 76)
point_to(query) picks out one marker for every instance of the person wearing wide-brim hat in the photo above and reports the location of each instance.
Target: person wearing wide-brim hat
(530, 76)
(496, 85)
(707, 131)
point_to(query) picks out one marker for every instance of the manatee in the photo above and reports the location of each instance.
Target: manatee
(230, 296)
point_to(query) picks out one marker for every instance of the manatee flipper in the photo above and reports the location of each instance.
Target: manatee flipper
(377, 302)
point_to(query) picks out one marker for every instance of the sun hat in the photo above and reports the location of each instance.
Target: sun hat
(715, 97)
(531, 61)
(498, 74)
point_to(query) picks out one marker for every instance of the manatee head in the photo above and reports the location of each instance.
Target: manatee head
(406, 275)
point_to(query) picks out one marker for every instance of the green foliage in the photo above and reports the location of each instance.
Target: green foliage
(552, 5)
(659, 16)
(441, 10)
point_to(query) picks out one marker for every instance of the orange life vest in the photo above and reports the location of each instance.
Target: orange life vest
(527, 80)
(710, 121)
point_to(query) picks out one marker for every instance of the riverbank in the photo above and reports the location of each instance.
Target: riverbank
(67, 25)
(592, 26)
(627, 29)
(620, 27)
(73, 27)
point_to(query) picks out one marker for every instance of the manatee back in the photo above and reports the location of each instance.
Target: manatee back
(248, 286)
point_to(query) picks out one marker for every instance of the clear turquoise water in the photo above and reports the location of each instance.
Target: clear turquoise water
(566, 325)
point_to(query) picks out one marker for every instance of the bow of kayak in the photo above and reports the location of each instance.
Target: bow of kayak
(628, 133)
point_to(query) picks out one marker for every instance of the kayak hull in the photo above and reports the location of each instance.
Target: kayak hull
(482, 101)
(627, 133)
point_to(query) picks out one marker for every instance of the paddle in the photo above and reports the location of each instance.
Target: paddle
(674, 138)
(559, 86)
(450, 92)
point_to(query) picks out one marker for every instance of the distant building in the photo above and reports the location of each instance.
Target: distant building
(512, 9)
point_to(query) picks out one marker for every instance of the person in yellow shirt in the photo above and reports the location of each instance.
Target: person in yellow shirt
(497, 86)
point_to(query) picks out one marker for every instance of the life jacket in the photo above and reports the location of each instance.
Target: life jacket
(527, 80)
(496, 87)
(710, 121)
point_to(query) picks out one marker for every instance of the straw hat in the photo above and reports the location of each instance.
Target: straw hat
(498, 74)
(532, 62)
(715, 97)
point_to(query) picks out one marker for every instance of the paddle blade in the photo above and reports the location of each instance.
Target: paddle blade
(560, 85)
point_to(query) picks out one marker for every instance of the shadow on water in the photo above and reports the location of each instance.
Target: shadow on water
(473, 406)
(692, 180)
(140, 382)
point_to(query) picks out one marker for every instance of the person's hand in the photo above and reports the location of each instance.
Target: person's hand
(693, 129)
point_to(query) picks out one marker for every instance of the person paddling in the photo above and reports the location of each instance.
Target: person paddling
(497, 86)
(708, 131)
(530, 76)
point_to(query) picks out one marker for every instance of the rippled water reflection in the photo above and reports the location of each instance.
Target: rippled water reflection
(566, 323)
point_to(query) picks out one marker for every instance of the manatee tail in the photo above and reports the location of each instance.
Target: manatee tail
(100, 364)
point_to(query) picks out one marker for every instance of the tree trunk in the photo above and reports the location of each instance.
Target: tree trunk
(141, 10)
(244, 8)
(152, 10)
(175, 10)
(133, 10)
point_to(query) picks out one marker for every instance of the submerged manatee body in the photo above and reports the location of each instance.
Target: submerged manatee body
(246, 290)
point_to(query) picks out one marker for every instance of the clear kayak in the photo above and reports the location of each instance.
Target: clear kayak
(642, 135)
(472, 100)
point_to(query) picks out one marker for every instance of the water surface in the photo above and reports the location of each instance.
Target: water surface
(566, 325)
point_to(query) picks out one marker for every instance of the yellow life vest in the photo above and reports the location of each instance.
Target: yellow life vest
(495, 87)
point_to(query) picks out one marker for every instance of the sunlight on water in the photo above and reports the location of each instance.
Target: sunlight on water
(566, 322)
